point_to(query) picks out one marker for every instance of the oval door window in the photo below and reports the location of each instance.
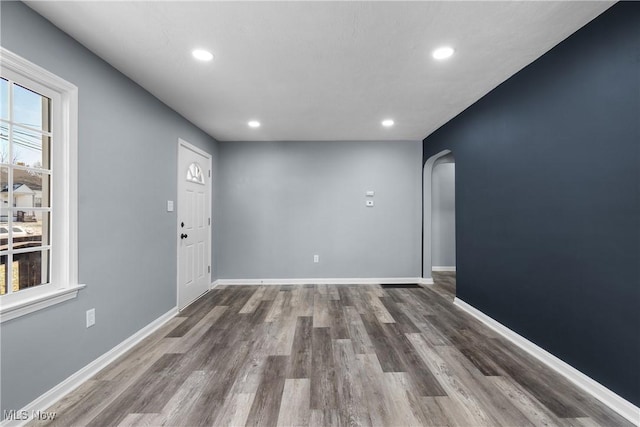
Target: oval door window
(194, 174)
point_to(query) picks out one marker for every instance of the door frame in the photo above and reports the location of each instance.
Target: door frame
(180, 176)
(427, 212)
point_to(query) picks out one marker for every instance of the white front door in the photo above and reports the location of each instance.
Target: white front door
(194, 223)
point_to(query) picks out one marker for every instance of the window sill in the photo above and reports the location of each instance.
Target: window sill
(12, 310)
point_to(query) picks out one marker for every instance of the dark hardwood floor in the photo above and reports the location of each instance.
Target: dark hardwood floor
(328, 355)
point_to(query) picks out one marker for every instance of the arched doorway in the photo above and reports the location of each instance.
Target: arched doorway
(438, 246)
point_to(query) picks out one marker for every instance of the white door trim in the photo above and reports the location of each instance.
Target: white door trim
(179, 177)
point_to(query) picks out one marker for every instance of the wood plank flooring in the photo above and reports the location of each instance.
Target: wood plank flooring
(326, 355)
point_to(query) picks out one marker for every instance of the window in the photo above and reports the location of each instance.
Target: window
(25, 167)
(194, 174)
(38, 226)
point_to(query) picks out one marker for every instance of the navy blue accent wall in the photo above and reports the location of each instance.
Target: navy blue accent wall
(548, 200)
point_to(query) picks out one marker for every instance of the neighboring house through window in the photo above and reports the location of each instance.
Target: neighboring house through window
(38, 186)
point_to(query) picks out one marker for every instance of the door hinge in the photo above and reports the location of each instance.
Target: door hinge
(209, 269)
(209, 221)
(209, 173)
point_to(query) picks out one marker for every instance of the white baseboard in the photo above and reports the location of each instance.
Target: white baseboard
(443, 268)
(75, 380)
(623, 407)
(326, 281)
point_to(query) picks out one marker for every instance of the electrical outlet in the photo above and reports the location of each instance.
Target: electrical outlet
(91, 317)
(316, 258)
(369, 203)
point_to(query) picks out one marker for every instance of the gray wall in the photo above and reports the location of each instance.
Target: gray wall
(443, 205)
(548, 200)
(283, 202)
(127, 240)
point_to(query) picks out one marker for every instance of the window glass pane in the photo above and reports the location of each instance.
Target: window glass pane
(32, 268)
(194, 173)
(4, 237)
(30, 189)
(4, 143)
(3, 274)
(30, 148)
(30, 108)
(4, 193)
(4, 99)
(30, 229)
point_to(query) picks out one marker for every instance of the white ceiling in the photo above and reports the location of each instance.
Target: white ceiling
(319, 70)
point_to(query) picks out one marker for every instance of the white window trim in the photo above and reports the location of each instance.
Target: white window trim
(64, 230)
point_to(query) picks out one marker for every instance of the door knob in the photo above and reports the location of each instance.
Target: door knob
(183, 236)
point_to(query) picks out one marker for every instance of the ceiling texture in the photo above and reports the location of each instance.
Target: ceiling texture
(319, 70)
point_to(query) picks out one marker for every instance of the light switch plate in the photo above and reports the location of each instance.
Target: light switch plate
(91, 317)
(370, 193)
(169, 205)
(369, 203)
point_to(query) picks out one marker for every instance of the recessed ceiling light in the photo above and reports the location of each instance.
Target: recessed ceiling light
(443, 52)
(387, 123)
(202, 55)
(254, 124)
